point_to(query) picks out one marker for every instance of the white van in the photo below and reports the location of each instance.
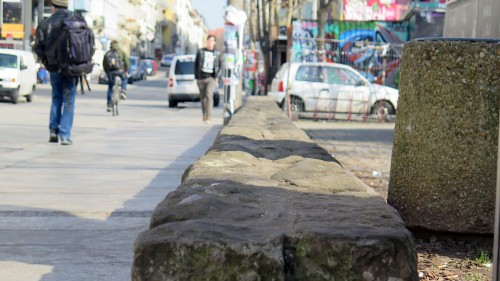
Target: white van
(17, 74)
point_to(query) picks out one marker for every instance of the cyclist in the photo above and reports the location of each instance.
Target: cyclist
(116, 62)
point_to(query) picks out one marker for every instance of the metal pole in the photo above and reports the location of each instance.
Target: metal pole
(40, 11)
(240, 5)
(496, 242)
(232, 90)
(28, 23)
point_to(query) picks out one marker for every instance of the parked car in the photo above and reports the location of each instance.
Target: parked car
(150, 65)
(166, 60)
(182, 86)
(136, 72)
(18, 74)
(331, 87)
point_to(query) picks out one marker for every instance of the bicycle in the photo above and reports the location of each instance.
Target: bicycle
(117, 92)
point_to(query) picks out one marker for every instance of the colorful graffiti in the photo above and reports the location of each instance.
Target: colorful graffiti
(373, 48)
(386, 10)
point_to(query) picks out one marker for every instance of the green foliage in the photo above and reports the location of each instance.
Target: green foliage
(482, 257)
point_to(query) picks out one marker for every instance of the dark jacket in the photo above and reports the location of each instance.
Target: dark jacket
(43, 47)
(198, 64)
(121, 54)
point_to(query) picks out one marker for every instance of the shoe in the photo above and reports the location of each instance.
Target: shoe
(66, 142)
(208, 121)
(53, 136)
(109, 108)
(123, 96)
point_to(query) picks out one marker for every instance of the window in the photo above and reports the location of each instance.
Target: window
(310, 73)
(12, 11)
(342, 77)
(8, 61)
(282, 71)
(184, 67)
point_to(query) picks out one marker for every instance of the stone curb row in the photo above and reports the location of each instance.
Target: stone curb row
(267, 203)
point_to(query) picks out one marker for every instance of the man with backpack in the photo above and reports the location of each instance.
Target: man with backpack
(116, 63)
(65, 45)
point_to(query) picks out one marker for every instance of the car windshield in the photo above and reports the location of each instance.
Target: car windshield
(147, 63)
(8, 61)
(184, 67)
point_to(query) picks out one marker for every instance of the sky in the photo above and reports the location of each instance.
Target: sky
(212, 11)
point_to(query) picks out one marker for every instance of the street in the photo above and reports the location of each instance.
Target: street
(71, 213)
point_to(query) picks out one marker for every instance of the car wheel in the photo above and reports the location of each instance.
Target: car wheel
(131, 81)
(29, 98)
(172, 103)
(383, 109)
(15, 96)
(296, 104)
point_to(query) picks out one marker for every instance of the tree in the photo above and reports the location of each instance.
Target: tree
(267, 26)
(324, 7)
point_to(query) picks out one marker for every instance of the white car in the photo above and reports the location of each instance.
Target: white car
(331, 87)
(182, 86)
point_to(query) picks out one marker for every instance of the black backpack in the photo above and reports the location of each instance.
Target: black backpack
(113, 61)
(74, 46)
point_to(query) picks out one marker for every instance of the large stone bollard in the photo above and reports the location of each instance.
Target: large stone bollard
(444, 159)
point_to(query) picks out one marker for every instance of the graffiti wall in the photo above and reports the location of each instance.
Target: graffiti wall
(373, 48)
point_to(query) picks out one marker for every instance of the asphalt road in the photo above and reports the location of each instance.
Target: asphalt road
(71, 213)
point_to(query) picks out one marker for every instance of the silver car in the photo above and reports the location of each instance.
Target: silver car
(331, 87)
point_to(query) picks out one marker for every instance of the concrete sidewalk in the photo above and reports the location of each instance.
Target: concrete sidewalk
(72, 213)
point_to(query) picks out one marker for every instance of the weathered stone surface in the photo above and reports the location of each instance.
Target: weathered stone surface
(444, 158)
(268, 204)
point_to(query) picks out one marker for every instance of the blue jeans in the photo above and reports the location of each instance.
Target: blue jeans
(62, 108)
(111, 83)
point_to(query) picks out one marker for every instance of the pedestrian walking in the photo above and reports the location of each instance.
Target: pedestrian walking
(115, 63)
(65, 45)
(206, 68)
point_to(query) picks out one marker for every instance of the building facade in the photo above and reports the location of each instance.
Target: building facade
(144, 28)
(472, 19)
